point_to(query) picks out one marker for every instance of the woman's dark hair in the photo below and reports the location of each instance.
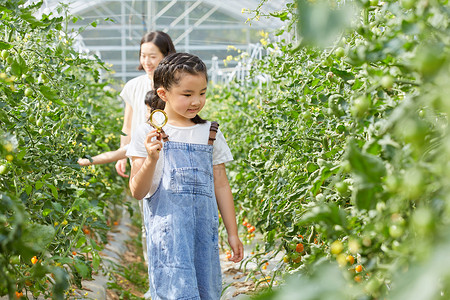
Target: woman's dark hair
(169, 72)
(161, 39)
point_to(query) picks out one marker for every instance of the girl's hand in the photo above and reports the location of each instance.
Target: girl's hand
(153, 144)
(237, 247)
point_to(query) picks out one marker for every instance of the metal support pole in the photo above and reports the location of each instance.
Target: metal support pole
(151, 10)
(196, 25)
(123, 41)
(186, 26)
(183, 15)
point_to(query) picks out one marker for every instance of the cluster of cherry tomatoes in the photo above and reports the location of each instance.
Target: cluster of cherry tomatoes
(250, 229)
(294, 255)
(336, 248)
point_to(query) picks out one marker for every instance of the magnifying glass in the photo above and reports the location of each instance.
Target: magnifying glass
(158, 118)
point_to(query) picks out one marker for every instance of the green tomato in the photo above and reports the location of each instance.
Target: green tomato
(413, 131)
(408, 4)
(373, 2)
(373, 286)
(395, 231)
(346, 166)
(342, 187)
(381, 206)
(336, 247)
(423, 220)
(339, 52)
(421, 113)
(387, 81)
(3, 169)
(296, 257)
(5, 54)
(306, 115)
(39, 123)
(286, 258)
(28, 92)
(45, 79)
(320, 197)
(15, 260)
(292, 246)
(392, 183)
(360, 106)
(9, 60)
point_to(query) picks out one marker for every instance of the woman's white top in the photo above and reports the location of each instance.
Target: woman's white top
(196, 134)
(134, 93)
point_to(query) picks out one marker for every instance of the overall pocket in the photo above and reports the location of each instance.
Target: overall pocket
(189, 180)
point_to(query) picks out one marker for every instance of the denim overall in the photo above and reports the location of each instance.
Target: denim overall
(181, 221)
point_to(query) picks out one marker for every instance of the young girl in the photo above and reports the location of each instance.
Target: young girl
(183, 181)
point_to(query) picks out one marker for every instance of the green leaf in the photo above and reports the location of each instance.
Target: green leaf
(82, 269)
(343, 74)
(364, 197)
(5, 45)
(283, 16)
(28, 189)
(38, 185)
(22, 64)
(81, 241)
(62, 260)
(61, 283)
(95, 260)
(46, 212)
(39, 236)
(48, 92)
(57, 206)
(53, 189)
(15, 68)
(270, 236)
(368, 168)
(319, 24)
(28, 17)
(328, 213)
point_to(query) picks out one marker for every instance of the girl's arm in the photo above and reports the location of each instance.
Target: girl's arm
(143, 168)
(104, 158)
(121, 164)
(225, 203)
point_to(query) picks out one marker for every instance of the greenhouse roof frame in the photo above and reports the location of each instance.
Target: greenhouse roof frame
(194, 17)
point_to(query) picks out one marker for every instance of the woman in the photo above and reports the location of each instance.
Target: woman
(154, 47)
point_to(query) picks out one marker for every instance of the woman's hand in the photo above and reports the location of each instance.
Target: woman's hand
(84, 162)
(153, 144)
(237, 247)
(121, 166)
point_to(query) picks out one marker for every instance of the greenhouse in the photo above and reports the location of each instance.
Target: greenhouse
(268, 150)
(206, 28)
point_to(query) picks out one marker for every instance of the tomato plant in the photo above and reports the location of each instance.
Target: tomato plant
(347, 145)
(57, 104)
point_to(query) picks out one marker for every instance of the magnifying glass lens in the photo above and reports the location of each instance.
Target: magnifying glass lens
(158, 119)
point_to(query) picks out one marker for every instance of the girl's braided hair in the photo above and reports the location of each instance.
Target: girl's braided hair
(169, 72)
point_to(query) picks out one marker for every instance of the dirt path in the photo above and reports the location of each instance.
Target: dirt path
(123, 252)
